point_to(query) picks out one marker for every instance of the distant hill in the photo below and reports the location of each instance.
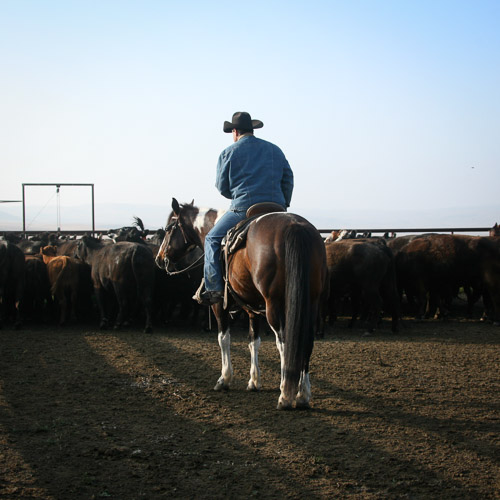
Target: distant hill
(112, 215)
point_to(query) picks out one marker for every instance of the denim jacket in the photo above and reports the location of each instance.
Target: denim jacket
(252, 170)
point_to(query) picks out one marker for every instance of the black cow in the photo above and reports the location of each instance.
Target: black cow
(32, 245)
(124, 271)
(364, 270)
(488, 249)
(12, 268)
(136, 233)
(37, 298)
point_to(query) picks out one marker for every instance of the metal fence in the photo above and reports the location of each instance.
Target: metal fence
(373, 231)
(398, 231)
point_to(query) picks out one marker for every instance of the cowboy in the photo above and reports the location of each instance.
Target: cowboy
(249, 171)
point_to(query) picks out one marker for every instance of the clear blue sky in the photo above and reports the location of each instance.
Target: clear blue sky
(381, 107)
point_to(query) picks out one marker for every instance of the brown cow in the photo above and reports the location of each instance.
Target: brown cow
(432, 268)
(64, 278)
(364, 270)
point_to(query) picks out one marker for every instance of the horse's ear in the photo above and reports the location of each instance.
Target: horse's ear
(192, 202)
(175, 206)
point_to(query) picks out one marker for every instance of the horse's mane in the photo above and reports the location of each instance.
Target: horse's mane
(187, 210)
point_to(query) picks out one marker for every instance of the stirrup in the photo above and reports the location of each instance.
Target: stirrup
(201, 289)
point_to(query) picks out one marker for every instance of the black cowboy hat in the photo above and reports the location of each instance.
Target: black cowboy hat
(242, 121)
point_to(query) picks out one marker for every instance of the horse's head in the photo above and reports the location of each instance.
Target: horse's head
(180, 236)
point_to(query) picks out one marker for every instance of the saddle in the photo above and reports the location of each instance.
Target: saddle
(236, 238)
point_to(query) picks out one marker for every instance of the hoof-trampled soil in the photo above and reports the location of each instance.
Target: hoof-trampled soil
(122, 414)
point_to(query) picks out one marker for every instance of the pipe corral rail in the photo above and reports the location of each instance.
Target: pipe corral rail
(397, 231)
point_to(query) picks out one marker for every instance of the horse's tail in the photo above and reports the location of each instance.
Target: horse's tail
(299, 318)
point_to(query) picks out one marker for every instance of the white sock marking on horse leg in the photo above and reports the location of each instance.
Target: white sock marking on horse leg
(227, 369)
(254, 382)
(282, 401)
(304, 394)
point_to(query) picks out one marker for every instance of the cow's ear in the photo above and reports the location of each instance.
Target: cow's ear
(175, 207)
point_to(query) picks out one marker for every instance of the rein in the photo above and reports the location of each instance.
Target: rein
(197, 263)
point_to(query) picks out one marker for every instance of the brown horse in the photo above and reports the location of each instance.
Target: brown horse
(280, 273)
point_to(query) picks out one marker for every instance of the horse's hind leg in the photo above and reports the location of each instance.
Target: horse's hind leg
(254, 382)
(224, 338)
(304, 394)
(276, 322)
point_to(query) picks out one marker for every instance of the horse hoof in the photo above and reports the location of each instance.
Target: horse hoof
(302, 405)
(284, 405)
(252, 387)
(148, 329)
(221, 386)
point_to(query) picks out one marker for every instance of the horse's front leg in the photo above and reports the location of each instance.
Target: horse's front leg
(224, 338)
(254, 344)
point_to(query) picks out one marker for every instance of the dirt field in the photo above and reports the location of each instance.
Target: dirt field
(90, 414)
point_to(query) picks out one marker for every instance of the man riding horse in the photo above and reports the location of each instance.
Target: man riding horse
(276, 269)
(249, 171)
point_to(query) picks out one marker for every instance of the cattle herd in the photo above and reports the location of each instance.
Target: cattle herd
(114, 281)
(421, 273)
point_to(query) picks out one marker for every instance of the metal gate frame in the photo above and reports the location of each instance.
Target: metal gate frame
(57, 185)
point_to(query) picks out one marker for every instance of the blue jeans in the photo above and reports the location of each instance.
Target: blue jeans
(213, 268)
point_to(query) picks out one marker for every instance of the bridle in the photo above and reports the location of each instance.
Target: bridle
(169, 230)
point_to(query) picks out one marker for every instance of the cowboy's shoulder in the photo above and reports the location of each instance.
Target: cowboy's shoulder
(226, 153)
(267, 144)
(232, 149)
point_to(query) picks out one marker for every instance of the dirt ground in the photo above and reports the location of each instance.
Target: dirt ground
(122, 414)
